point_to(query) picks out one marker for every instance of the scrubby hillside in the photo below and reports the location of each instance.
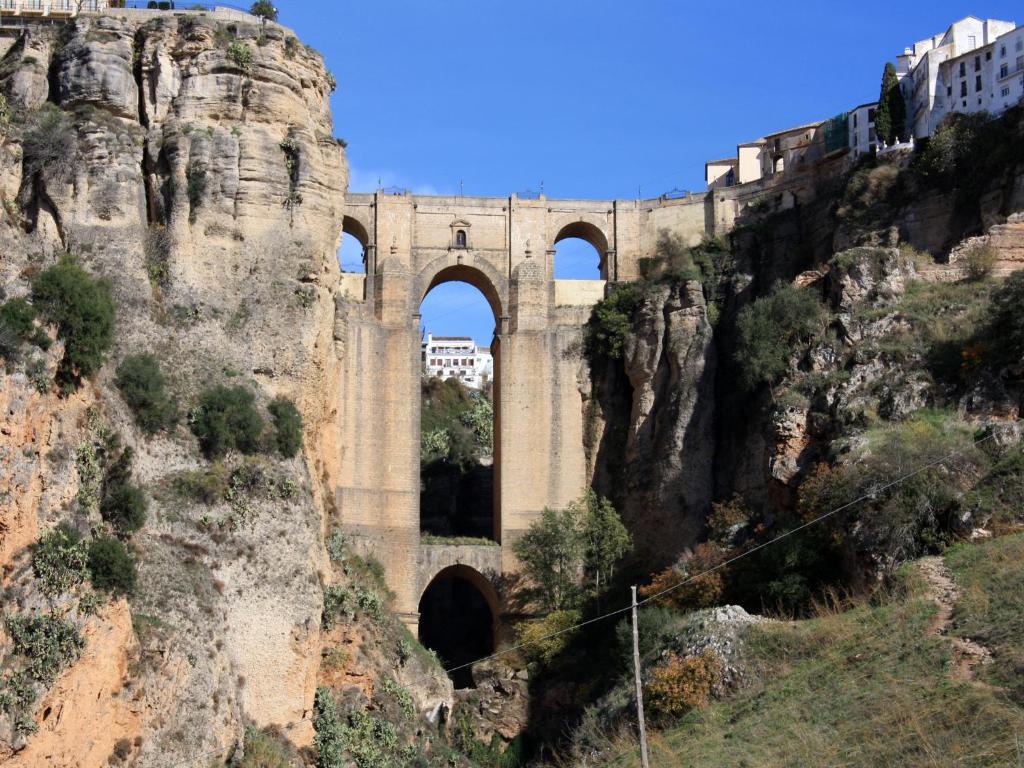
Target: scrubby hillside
(861, 347)
(879, 683)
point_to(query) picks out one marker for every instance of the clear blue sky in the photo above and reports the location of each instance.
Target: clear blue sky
(591, 97)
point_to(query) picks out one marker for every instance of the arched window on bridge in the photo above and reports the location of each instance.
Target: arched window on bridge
(460, 238)
(458, 612)
(580, 253)
(352, 246)
(458, 408)
(351, 254)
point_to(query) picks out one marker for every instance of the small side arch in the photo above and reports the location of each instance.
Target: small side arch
(352, 226)
(590, 233)
(586, 231)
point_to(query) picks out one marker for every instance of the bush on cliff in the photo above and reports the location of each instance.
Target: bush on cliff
(769, 329)
(83, 310)
(59, 561)
(226, 418)
(143, 388)
(17, 326)
(50, 145)
(111, 566)
(1005, 321)
(123, 504)
(287, 426)
(610, 323)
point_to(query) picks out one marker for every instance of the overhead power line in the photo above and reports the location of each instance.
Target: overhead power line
(725, 563)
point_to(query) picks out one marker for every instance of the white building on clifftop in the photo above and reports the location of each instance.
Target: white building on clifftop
(975, 65)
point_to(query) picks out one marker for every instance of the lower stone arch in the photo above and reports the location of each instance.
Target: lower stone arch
(459, 613)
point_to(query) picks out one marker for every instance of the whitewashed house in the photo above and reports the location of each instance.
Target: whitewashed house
(457, 357)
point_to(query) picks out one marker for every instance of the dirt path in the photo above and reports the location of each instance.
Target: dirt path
(967, 654)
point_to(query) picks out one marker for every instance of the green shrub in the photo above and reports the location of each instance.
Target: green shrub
(208, 485)
(125, 508)
(265, 749)
(287, 426)
(770, 328)
(17, 326)
(60, 561)
(352, 601)
(196, 183)
(50, 144)
(226, 418)
(546, 638)
(401, 696)
(968, 151)
(41, 646)
(83, 311)
(980, 260)
(264, 9)
(337, 547)
(610, 323)
(1005, 321)
(241, 55)
(111, 566)
(479, 419)
(47, 642)
(143, 388)
(123, 504)
(362, 738)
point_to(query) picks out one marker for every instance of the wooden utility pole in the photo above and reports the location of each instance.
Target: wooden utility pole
(639, 689)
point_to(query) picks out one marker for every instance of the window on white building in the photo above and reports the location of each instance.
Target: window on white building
(977, 83)
(1006, 91)
(1004, 70)
(977, 63)
(963, 69)
(963, 88)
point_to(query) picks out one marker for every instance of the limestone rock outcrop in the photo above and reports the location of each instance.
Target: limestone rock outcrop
(661, 473)
(189, 159)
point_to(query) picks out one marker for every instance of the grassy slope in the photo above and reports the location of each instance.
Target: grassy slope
(869, 687)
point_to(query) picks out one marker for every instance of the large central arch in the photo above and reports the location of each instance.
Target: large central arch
(465, 273)
(485, 283)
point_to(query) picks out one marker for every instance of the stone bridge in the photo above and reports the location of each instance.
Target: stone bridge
(505, 247)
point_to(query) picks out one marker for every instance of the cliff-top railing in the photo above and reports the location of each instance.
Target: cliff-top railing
(69, 8)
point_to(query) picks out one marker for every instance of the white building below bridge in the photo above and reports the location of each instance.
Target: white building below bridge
(446, 357)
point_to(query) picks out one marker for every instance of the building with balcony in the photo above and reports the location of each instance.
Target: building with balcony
(457, 357)
(959, 70)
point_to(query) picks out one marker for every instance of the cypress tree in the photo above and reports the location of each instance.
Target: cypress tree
(891, 116)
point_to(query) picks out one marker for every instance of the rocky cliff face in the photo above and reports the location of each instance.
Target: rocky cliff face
(651, 418)
(671, 429)
(189, 160)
